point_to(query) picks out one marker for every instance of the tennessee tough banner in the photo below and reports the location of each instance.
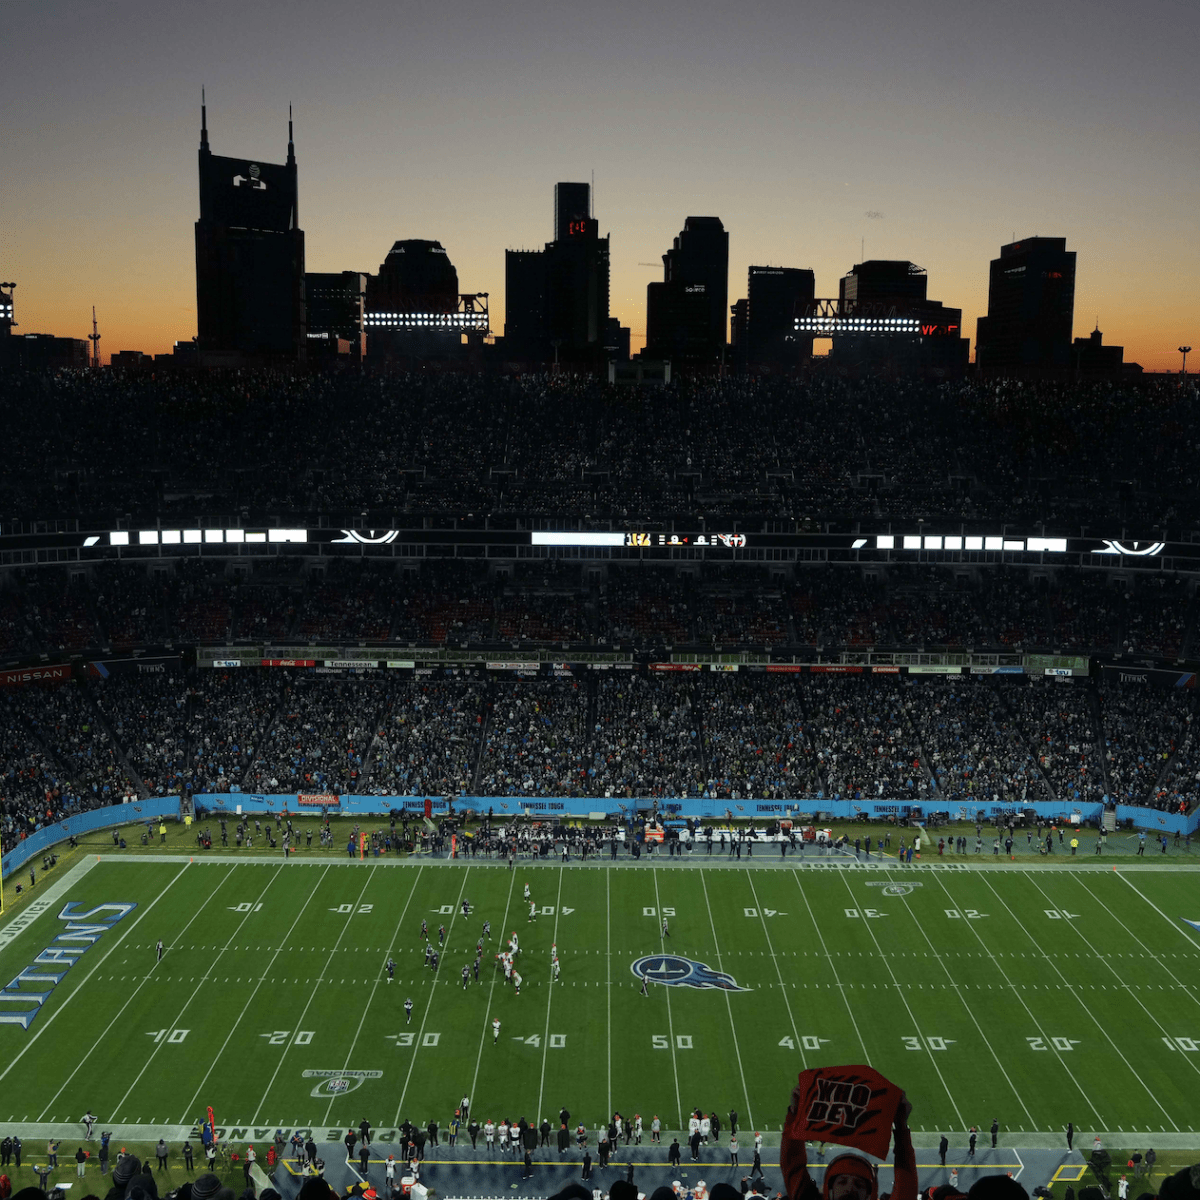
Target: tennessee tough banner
(852, 1106)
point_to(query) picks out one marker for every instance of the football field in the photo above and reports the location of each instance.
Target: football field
(1035, 996)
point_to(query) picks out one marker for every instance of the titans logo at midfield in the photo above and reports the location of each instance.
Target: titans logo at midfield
(676, 971)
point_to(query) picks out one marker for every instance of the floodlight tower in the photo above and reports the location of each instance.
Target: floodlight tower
(1185, 351)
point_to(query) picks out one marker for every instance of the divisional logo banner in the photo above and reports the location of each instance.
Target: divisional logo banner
(338, 1083)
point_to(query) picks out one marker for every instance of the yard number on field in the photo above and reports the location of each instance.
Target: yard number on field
(1189, 1044)
(934, 1043)
(660, 1041)
(807, 1043)
(1060, 914)
(409, 1039)
(245, 906)
(653, 912)
(766, 912)
(870, 913)
(1059, 1043)
(279, 1037)
(546, 910)
(971, 914)
(168, 1035)
(362, 909)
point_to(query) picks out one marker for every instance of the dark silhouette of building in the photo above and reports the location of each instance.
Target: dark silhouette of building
(763, 334)
(8, 310)
(334, 303)
(1031, 309)
(1090, 357)
(525, 337)
(572, 204)
(556, 307)
(616, 341)
(883, 291)
(884, 281)
(686, 313)
(411, 305)
(35, 351)
(249, 259)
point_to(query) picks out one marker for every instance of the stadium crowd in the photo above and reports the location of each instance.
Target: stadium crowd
(473, 603)
(613, 735)
(572, 446)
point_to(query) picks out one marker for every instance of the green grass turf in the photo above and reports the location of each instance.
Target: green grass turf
(276, 969)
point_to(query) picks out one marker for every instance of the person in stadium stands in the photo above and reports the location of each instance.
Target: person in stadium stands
(848, 1176)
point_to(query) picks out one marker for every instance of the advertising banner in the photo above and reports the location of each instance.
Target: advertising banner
(1156, 677)
(20, 676)
(148, 665)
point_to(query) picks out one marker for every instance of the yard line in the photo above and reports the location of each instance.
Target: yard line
(425, 1016)
(1122, 877)
(974, 1020)
(550, 995)
(203, 979)
(51, 1018)
(903, 1000)
(728, 1005)
(608, 975)
(1075, 992)
(778, 973)
(314, 991)
(1116, 973)
(234, 1026)
(84, 1057)
(491, 991)
(670, 1022)
(825, 952)
(395, 934)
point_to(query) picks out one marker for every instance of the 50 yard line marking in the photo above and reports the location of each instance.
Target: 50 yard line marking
(728, 1004)
(550, 996)
(137, 921)
(491, 991)
(87, 1054)
(300, 1022)
(425, 1016)
(670, 1022)
(371, 997)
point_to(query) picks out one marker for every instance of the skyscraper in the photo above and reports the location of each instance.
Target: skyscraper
(772, 294)
(572, 204)
(411, 306)
(687, 314)
(249, 258)
(1031, 310)
(557, 298)
(334, 313)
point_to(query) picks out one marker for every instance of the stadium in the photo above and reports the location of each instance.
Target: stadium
(770, 725)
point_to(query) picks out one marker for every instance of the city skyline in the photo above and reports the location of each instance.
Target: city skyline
(818, 139)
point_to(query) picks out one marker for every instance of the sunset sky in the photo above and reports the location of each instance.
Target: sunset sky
(962, 124)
